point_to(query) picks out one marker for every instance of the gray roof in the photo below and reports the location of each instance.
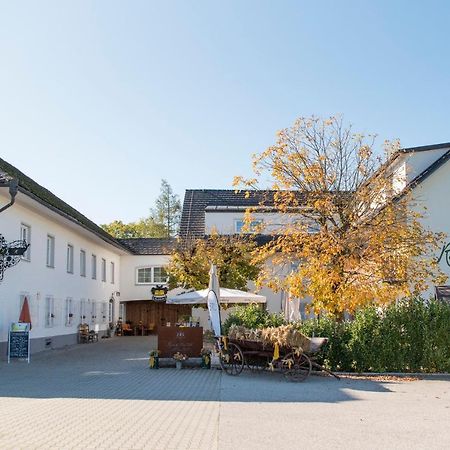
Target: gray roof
(196, 201)
(43, 196)
(425, 148)
(149, 246)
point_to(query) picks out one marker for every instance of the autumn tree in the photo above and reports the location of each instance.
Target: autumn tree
(349, 237)
(191, 260)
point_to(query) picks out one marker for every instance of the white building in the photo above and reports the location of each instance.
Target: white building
(75, 272)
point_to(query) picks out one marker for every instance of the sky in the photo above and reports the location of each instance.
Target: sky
(100, 100)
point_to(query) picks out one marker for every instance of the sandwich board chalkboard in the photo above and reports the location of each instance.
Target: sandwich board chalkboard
(19, 341)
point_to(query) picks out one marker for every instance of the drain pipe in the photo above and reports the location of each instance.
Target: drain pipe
(13, 188)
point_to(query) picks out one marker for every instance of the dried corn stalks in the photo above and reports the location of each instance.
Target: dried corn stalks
(284, 336)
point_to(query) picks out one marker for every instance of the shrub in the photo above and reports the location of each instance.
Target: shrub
(412, 335)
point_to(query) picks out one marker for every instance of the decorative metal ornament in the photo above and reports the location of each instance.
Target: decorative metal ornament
(10, 253)
(159, 293)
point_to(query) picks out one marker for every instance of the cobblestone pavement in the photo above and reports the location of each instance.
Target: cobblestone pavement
(104, 396)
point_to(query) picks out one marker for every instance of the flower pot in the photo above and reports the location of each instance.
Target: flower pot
(206, 362)
(153, 362)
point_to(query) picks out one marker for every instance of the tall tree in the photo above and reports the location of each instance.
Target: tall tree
(163, 221)
(349, 237)
(168, 209)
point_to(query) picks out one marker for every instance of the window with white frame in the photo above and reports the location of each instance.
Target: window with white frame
(151, 275)
(93, 311)
(112, 269)
(82, 263)
(69, 258)
(50, 251)
(110, 311)
(104, 308)
(25, 235)
(82, 310)
(159, 275)
(49, 311)
(69, 312)
(241, 227)
(103, 269)
(122, 312)
(94, 267)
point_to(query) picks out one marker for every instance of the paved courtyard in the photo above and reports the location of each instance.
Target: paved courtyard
(104, 396)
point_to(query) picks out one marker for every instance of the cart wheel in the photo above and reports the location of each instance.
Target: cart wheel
(232, 360)
(296, 367)
(256, 363)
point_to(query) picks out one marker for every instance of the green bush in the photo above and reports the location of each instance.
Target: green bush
(252, 316)
(412, 335)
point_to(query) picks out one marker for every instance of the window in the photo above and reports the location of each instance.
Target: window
(239, 225)
(104, 308)
(82, 263)
(25, 235)
(83, 310)
(94, 267)
(50, 251)
(49, 311)
(112, 272)
(144, 275)
(103, 269)
(122, 312)
(159, 275)
(151, 275)
(69, 312)
(93, 311)
(69, 258)
(110, 311)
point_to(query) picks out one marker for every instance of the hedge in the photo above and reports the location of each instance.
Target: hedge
(412, 335)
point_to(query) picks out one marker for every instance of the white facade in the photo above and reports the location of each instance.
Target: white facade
(60, 298)
(130, 264)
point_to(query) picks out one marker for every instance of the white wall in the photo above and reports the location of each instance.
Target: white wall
(225, 222)
(433, 193)
(129, 263)
(38, 281)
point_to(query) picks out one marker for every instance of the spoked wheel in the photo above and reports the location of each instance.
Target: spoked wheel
(256, 363)
(232, 359)
(296, 367)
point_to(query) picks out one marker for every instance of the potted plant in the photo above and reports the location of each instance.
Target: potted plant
(206, 358)
(179, 358)
(153, 362)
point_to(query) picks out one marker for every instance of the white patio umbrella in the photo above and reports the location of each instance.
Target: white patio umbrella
(226, 296)
(291, 308)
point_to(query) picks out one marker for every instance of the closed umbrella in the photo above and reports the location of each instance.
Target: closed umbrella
(25, 316)
(213, 300)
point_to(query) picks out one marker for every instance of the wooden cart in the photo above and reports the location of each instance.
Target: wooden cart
(294, 364)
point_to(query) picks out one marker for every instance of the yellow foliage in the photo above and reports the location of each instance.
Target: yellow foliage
(369, 245)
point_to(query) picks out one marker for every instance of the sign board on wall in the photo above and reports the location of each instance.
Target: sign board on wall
(19, 341)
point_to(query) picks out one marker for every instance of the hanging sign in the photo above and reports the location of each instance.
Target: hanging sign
(19, 341)
(159, 293)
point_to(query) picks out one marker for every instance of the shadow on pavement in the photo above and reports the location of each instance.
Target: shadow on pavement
(118, 369)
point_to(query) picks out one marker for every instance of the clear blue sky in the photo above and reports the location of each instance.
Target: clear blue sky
(99, 100)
